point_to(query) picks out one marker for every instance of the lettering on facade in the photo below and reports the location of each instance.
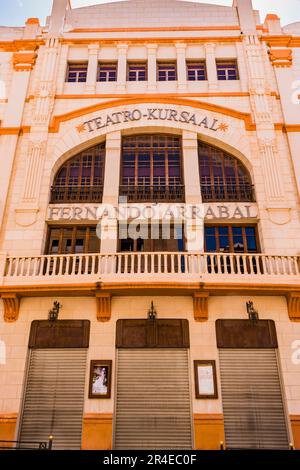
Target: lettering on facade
(152, 114)
(95, 213)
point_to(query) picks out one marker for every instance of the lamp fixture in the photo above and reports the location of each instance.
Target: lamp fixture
(152, 313)
(252, 312)
(53, 313)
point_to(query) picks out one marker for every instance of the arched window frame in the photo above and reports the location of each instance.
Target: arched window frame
(81, 185)
(223, 186)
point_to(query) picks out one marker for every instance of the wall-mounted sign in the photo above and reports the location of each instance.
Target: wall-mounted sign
(107, 120)
(94, 212)
(205, 379)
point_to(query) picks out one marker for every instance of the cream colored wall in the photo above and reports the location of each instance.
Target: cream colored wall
(24, 231)
(164, 52)
(158, 12)
(102, 340)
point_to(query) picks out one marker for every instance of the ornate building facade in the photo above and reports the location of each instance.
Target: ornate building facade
(150, 108)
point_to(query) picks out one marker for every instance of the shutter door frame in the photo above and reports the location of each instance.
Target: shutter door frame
(275, 384)
(24, 433)
(189, 394)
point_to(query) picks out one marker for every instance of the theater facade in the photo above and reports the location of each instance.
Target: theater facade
(150, 249)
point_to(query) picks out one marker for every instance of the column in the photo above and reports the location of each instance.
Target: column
(152, 66)
(246, 15)
(93, 51)
(211, 67)
(42, 109)
(181, 66)
(289, 89)
(122, 66)
(242, 67)
(13, 118)
(62, 69)
(58, 16)
(109, 226)
(194, 219)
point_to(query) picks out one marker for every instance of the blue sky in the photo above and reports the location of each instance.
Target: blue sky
(15, 12)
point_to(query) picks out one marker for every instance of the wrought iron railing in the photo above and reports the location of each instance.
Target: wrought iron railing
(61, 194)
(227, 192)
(158, 193)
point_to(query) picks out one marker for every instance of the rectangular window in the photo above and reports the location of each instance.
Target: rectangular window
(72, 240)
(77, 72)
(167, 71)
(231, 239)
(151, 238)
(196, 71)
(227, 70)
(107, 72)
(137, 72)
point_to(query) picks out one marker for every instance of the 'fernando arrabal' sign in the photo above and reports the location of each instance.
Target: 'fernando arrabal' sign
(151, 115)
(209, 212)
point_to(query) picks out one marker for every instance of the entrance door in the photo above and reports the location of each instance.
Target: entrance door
(153, 408)
(254, 415)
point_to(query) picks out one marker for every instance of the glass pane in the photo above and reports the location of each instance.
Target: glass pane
(67, 245)
(127, 245)
(238, 243)
(54, 247)
(223, 231)
(224, 244)
(79, 245)
(210, 239)
(94, 242)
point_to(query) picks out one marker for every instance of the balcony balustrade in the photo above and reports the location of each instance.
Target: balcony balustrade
(153, 267)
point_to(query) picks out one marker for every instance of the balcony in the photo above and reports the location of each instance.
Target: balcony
(153, 193)
(245, 269)
(227, 193)
(67, 194)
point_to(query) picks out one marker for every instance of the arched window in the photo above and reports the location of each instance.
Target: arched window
(222, 176)
(80, 179)
(151, 168)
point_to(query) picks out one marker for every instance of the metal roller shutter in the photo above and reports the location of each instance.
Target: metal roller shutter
(153, 409)
(254, 413)
(54, 397)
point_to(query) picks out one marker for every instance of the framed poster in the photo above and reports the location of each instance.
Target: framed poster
(205, 379)
(100, 379)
